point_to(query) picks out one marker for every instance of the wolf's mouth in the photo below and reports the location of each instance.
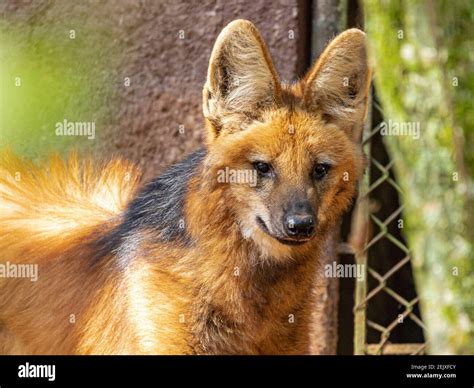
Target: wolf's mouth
(262, 226)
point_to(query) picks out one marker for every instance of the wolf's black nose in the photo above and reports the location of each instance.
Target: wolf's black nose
(299, 225)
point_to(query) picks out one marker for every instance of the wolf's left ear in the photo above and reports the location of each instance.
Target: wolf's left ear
(241, 80)
(339, 82)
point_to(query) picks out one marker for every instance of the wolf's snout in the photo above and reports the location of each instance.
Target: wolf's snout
(299, 222)
(299, 225)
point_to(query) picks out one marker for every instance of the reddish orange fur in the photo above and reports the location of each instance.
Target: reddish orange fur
(174, 299)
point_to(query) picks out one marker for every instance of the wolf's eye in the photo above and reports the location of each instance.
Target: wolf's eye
(262, 167)
(320, 170)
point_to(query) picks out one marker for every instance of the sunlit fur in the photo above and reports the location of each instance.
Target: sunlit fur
(292, 155)
(182, 266)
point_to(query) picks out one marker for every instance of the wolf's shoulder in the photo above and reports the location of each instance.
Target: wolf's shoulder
(160, 204)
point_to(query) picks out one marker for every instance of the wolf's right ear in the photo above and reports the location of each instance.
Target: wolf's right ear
(241, 80)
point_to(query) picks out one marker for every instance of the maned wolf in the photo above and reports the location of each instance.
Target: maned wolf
(204, 259)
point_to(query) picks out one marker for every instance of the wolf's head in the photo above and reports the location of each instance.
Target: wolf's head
(288, 155)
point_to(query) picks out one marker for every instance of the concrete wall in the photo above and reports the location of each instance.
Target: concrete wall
(168, 73)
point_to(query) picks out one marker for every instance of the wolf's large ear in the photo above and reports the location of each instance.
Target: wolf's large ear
(338, 84)
(241, 80)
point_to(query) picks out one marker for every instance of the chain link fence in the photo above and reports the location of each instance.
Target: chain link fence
(385, 299)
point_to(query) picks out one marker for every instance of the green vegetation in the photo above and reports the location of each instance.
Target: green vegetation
(423, 53)
(49, 73)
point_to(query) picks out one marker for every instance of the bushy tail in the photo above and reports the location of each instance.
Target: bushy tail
(50, 203)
